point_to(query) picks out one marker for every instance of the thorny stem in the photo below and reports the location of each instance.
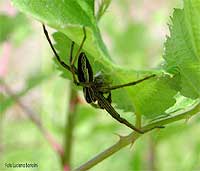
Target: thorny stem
(35, 119)
(70, 123)
(123, 141)
(132, 137)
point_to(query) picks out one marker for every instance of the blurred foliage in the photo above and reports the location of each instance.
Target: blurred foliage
(6, 27)
(102, 8)
(14, 27)
(131, 46)
(32, 82)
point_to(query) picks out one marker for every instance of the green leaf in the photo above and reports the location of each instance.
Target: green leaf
(183, 48)
(151, 97)
(182, 103)
(62, 46)
(69, 17)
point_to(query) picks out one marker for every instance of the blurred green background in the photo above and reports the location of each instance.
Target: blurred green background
(134, 32)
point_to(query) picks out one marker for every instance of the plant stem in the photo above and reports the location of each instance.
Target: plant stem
(151, 157)
(70, 123)
(132, 137)
(123, 141)
(138, 122)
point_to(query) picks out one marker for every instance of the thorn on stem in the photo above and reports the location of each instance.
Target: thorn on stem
(118, 135)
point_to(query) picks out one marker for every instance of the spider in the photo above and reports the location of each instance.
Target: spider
(94, 87)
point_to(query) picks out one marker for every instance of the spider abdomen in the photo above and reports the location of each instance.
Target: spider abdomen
(89, 94)
(85, 73)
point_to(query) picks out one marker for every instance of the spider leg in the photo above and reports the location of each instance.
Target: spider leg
(128, 84)
(53, 49)
(72, 61)
(71, 51)
(150, 129)
(106, 105)
(72, 67)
